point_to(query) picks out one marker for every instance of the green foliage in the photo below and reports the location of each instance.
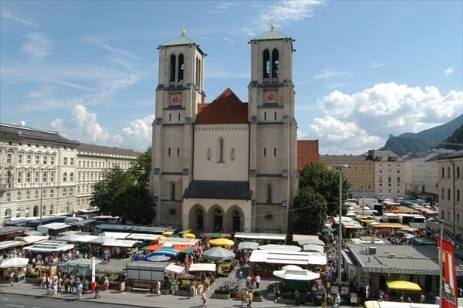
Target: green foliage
(325, 182)
(454, 142)
(287, 295)
(125, 193)
(310, 216)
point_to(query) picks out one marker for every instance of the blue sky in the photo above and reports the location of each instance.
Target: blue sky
(362, 69)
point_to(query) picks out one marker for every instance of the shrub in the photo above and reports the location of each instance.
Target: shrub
(222, 291)
(32, 274)
(256, 294)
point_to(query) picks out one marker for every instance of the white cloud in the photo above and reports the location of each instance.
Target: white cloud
(37, 45)
(30, 22)
(112, 49)
(448, 71)
(137, 135)
(364, 120)
(330, 73)
(83, 127)
(288, 11)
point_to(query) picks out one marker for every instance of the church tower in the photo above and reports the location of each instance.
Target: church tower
(273, 131)
(179, 92)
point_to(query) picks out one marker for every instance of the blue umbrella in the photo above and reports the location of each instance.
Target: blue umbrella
(157, 258)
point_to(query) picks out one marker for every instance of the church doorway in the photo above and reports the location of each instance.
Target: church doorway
(36, 211)
(199, 220)
(196, 218)
(218, 220)
(236, 221)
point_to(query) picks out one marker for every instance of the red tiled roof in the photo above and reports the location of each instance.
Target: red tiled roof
(307, 152)
(227, 108)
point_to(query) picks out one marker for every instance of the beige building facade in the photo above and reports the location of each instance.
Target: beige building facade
(93, 161)
(37, 173)
(227, 165)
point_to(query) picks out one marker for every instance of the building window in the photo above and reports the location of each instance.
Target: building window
(52, 160)
(37, 159)
(45, 177)
(172, 191)
(45, 159)
(443, 172)
(168, 151)
(181, 67)
(274, 152)
(458, 195)
(20, 158)
(448, 194)
(28, 194)
(19, 195)
(266, 64)
(65, 161)
(269, 194)
(65, 191)
(442, 193)
(37, 177)
(458, 172)
(275, 63)
(71, 177)
(20, 177)
(221, 150)
(52, 193)
(72, 161)
(29, 158)
(172, 68)
(65, 176)
(9, 158)
(265, 152)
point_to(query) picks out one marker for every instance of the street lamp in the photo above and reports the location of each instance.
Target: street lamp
(340, 167)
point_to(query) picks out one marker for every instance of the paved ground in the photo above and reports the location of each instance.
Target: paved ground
(144, 299)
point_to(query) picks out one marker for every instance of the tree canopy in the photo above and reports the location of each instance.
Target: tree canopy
(126, 193)
(317, 198)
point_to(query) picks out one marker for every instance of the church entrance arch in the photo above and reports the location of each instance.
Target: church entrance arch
(235, 219)
(196, 218)
(215, 217)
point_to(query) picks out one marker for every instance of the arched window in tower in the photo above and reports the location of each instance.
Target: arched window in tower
(269, 194)
(275, 63)
(220, 151)
(172, 68)
(266, 64)
(181, 67)
(198, 74)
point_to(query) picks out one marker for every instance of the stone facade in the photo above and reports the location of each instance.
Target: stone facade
(227, 165)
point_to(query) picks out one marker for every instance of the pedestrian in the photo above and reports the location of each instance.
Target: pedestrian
(257, 281)
(204, 298)
(240, 276)
(189, 290)
(248, 282)
(250, 296)
(337, 300)
(106, 283)
(12, 278)
(97, 290)
(276, 290)
(297, 297)
(79, 288)
(158, 288)
(422, 298)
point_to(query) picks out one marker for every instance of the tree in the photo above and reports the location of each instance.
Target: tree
(318, 197)
(311, 212)
(325, 182)
(126, 193)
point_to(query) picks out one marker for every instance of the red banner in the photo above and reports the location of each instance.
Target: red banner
(449, 280)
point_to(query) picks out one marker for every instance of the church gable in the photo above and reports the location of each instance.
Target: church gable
(227, 108)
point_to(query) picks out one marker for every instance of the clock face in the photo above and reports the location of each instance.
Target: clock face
(270, 96)
(175, 99)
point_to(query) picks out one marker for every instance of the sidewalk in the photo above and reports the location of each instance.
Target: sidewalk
(141, 299)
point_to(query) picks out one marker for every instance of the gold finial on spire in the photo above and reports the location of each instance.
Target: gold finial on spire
(272, 25)
(183, 30)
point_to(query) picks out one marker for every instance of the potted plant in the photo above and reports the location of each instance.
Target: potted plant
(256, 296)
(222, 293)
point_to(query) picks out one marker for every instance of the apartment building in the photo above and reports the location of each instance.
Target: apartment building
(450, 187)
(37, 172)
(377, 174)
(92, 163)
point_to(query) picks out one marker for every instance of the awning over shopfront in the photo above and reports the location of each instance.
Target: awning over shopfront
(143, 236)
(31, 239)
(114, 242)
(287, 257)
(118, 235)
(9, 244)
(174, 268)
(50, 246)
(280, 247)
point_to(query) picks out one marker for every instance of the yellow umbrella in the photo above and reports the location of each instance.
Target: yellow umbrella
(188, 235)
(221, 242)
(403, 285)
(168, 233)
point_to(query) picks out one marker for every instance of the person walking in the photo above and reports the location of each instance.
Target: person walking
(11, 279)
(250, 296)
(240, 276)
(337, 300)
(297, 297)
(257, 281)
(97, 291)
(79, 288)
(204, 298)
(248, 282)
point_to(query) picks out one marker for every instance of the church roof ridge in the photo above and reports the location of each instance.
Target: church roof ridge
(227, 108)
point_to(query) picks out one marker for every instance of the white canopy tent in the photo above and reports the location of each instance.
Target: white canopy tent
(174, 268)
(202, 267)
(14, 262)
(287, 257)
(302, 274)
(280, 247)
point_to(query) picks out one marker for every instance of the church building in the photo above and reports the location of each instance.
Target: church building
(227, 165)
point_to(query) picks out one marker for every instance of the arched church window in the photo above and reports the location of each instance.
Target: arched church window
(220, 150)
(172, 68)
(181, 67)
(266, 64)
(275, 63)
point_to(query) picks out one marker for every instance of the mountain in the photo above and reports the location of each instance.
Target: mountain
(425, 140)
(454, 142)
